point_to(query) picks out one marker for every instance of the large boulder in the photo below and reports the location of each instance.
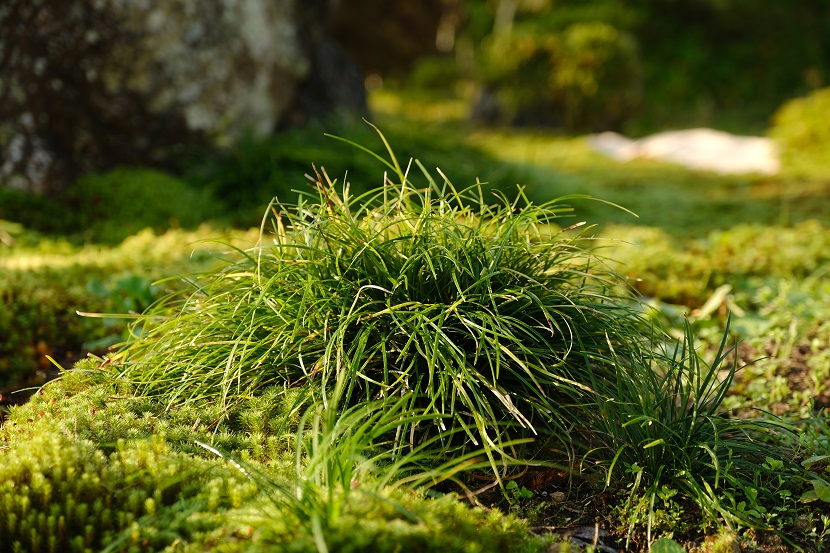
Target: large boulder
(89, 84)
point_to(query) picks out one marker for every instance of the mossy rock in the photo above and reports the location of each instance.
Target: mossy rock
(800, 127)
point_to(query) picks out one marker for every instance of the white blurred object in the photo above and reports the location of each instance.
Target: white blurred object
(703, 149)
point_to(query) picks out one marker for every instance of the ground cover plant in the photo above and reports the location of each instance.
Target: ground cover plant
(106, 208)
(662, 439)
(283, 487)
(799, 128)
(45, 282)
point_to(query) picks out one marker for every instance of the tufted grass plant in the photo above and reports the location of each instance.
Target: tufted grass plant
(664, 436)
(487, 314)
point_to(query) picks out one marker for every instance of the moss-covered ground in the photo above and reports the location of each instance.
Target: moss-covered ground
(90, 463)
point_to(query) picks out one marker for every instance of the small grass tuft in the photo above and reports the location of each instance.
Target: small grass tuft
(665, 439)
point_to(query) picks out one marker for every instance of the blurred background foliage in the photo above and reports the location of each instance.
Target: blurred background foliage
(571, 66)
(566, 66)
(649, 64)
(497, 90)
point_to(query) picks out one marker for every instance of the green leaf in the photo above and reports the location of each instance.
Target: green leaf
(822, 490)
(807, 463)
(666, 545)
(808, 496)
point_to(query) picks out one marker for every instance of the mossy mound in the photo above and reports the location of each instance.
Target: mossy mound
(88, 466)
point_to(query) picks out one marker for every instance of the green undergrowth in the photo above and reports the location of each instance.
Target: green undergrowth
(228, 185)
(403, 521)
(771, 280)
(61, 494)
(86, 403)
(82, 471)
(44, 283)
(107, 207)
(333, 387)
(111, 206)
(687, 271)
(676, 445)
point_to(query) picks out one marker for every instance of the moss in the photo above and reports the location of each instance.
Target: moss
(88, 402)
(91, 465)
(62, 493)
(43, 286)
(801, 129)
(111, 206)
(688, 272)
(405, 521)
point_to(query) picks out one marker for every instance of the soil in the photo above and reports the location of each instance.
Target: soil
(795, 369)
(798, 375)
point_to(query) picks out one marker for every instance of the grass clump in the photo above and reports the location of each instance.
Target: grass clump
(665, 439)
(481, 311)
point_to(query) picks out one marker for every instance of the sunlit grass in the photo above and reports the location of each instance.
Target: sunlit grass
(665, 431)
(471, 305)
